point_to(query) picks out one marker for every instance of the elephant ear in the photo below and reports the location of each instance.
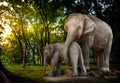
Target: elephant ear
(89, 25)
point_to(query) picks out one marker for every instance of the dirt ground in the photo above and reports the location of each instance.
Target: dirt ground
(94, 76)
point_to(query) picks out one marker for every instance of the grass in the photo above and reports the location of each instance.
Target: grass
(34, 73)
(29, 72)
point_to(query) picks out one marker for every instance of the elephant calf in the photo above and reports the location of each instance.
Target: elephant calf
(54, 51)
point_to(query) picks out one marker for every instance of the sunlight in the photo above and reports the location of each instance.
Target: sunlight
(4, 3)
(7, 31)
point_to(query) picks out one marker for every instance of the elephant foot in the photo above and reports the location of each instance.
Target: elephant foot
(87, 68)
(83, 73)
(104, 69)
(59, 74)
(50, 75)
(75, 75)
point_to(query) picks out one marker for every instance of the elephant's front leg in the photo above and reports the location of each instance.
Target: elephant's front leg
(51, 72)
(54, 62)
(59, 68)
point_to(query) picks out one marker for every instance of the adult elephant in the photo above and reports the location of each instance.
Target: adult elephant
(91, 33)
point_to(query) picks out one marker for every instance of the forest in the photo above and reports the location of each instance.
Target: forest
(26, 26)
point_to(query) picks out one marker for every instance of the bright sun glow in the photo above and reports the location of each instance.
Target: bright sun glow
(4, 3)
(7, 31)
(5, 23)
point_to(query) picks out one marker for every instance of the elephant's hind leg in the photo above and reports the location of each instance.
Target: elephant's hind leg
(74, 62)
(85, 51)
(106, 55)
(103, 60)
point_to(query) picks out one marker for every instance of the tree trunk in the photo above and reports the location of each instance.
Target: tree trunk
(48, 37)
(3, 74)
(33, 56)
(24, 58)
(8, 77)
(39, 57)
(42, 61)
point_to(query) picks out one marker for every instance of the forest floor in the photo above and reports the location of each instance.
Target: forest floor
(35, 74)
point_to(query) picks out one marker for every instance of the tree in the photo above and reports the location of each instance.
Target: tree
(37, 22)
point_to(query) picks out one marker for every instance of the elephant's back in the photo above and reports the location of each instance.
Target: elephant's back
(59, 46)
(74, 19)
(74, 16)
(100, 23)
(75, 47)
(101, 27)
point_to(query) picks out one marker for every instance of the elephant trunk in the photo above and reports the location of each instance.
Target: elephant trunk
(71, 35)
(45, 59)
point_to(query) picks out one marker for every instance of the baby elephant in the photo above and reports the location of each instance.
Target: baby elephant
(54, 51)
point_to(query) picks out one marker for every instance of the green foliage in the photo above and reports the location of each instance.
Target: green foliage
(34, 23)
(32, 26)
(4, 59)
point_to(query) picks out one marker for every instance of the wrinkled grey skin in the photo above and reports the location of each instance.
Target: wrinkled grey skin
(54, 51)
(91, 33)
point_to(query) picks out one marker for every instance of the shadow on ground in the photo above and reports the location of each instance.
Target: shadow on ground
(93, 76)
